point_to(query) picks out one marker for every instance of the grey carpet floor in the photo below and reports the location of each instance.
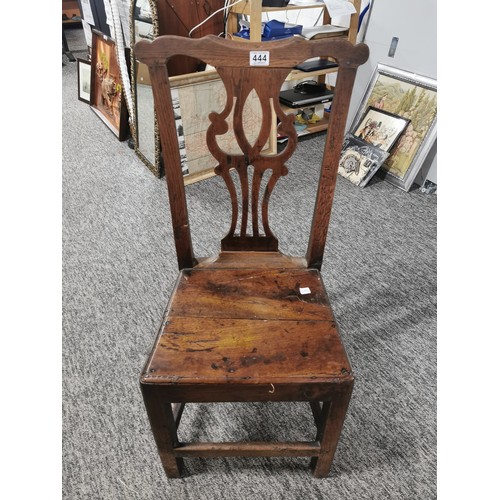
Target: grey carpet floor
(118, 269)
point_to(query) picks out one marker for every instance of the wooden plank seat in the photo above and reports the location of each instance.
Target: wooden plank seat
(250, 327)
(249, 324)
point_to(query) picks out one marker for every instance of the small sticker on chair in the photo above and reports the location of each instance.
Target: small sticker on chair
(304, 291)
(259, 58)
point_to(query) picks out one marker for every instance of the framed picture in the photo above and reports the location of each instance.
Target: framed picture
(194, 96)
(360, 160)
(84, 72)
(106, 90)
(412, 97)
(381, 128)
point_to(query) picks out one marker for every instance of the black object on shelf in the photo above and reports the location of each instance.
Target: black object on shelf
(275, 3)
(296, 99)
(309, 87)
(316, 65)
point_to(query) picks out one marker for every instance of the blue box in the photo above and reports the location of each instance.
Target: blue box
(275, 28)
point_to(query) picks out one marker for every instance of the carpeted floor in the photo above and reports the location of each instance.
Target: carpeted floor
(118, 269)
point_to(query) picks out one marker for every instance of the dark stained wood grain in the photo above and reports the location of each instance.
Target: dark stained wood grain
(329, 168)
(249, 449)
(232, 390)
(251, 294)
(332, 419)
(251, 260)
(164, 429)
(316, 409)
(239, 83)
(231, 59)
(177, 17)
(247, 352)
(248, 327)
(249, 324)
(178, 409)
(229, 53)
(173, 173)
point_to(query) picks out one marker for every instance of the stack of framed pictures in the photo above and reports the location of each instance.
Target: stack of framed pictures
(397, 115)
(366, 149)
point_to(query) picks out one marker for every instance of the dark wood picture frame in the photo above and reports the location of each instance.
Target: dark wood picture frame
(381, 128)
(106, 96)
(84, 72)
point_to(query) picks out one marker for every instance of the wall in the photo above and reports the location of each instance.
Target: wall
(414, 22)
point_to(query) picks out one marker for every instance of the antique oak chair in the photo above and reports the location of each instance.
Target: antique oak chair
(250, 324)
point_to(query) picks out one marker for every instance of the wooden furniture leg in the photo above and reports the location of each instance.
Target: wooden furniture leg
(163, 426)
(316, 409)
(332, 418)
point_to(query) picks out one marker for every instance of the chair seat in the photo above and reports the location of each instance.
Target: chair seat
(249, 327)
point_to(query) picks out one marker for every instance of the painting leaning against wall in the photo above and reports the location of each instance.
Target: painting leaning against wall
(106, 86)
(412, 97)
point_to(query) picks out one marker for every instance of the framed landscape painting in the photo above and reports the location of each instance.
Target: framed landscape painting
(413, 98)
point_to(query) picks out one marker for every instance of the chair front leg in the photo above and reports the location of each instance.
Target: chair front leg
(330, 426)
(164, 429)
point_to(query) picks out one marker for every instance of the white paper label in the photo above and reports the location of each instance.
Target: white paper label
(304, 291)
(259, 58)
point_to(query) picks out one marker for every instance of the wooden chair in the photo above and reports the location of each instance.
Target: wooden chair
(250, 324)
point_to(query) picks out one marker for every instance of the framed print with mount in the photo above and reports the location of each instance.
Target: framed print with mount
(381, 128)
(410, 96)
(106, 91)
(360, 160)
(84, 73)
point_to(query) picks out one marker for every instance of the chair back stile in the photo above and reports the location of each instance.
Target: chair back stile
(329, 167)
(173, 173)
(232, 61)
